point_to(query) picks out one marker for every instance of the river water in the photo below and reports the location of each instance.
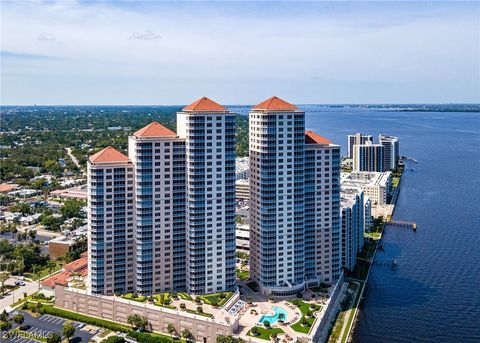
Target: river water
(434, 293)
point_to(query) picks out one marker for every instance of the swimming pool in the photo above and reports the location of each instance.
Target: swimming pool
(274, 317)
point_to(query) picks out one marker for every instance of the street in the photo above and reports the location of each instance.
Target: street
(29, 288)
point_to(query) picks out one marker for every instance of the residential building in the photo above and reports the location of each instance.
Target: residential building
(242, 168)
(242, 189)
(159, 159)
(243, 238)
(391, 154)
(353, 225)
(322, 210)
(376, 185)
(209, 131)
(368, 157)
(357, 139)
(111, 223)
(277, 145)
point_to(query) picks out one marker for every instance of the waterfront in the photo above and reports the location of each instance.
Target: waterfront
(433, 293)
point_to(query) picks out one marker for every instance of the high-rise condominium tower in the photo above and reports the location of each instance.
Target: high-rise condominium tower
(159, 159)
(368, 157)
(277, 145)
(322, 209)
(391, 153)
(209, 131)
(111, 223)
(357, 139)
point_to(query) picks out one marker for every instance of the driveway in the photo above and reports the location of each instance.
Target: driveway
(46, 324)
(29, 288)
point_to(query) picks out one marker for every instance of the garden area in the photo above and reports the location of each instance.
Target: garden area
(264, 333)
(216, 299)
(308, 316)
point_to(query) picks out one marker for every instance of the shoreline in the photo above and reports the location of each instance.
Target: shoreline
(359, 296)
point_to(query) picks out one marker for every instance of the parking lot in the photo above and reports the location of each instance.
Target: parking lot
(39, 328)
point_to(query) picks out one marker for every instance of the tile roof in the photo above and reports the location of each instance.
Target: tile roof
(5, 187)
(204, 105)
(108, 154)
(77, 265)
(154, 129)
(275, 104)
(314, 138)
(60, 279)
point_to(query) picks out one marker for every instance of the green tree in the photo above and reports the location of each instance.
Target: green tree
(187, 334)
(4, 276)
(171, 329)
(54, 338)
(32, 234)
(71, 208)
(68, 331)
(137, 321)
(19, 319)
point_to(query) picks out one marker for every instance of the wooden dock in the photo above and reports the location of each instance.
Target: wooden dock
(403, 223)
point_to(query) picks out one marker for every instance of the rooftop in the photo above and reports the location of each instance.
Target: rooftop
(154, 129)
(314, 138)
(108, 155)
(204, 105)
(275, 104)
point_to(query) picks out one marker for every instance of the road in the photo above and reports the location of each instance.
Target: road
(30, 287)
(73, 158)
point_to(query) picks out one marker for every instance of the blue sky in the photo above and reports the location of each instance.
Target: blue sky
(86, 52)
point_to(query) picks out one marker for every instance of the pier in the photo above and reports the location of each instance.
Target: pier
(403, 223)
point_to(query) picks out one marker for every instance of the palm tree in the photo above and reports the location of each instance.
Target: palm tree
(171, 329)
(4, 276)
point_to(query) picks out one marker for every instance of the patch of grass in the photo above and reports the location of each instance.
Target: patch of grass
(131, 296)
(304, 308)
(242, 274)
(44, 272)
(265, 333)
(216, 298)
(104, 333)
(185, 296)
(395, 181)
(209, 315)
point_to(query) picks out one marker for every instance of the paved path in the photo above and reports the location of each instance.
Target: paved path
(30, 287)
(73, 158)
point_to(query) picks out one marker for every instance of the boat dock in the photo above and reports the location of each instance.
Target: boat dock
(403, 223)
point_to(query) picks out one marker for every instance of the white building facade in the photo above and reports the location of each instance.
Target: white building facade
(277, 145)
(322, 210)
(111, 223)
(391, 155)
(209, 131)
(159, 159)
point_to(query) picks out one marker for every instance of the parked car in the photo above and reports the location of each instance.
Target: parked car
(19, 283)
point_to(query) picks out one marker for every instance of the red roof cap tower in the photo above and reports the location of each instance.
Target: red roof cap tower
(204, 105)
(275, 104)
(154, 129)
(314, 138)
(108, 155)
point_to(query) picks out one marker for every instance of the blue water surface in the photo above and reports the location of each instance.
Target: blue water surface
(434, 294)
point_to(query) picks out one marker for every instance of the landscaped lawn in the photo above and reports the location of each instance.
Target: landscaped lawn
(209, 315)
(131, 296)
(242, 274)
(219, 298)
(395, 181)
(265, 333)
(185, 296)
(43, 272)
(304, 308)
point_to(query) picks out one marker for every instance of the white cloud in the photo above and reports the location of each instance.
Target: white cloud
(147, 35)
(46, 37)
